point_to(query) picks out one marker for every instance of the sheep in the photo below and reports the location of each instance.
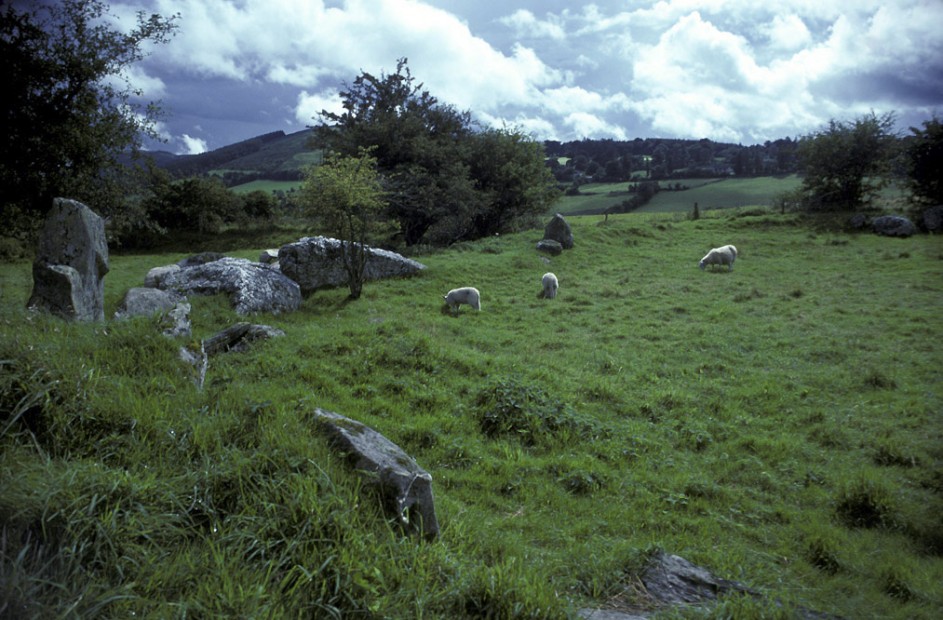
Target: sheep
(724, 255)
(550, 285)
(465, 295)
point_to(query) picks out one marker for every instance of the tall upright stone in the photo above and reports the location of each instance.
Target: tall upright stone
(558, 230)
(71, 263)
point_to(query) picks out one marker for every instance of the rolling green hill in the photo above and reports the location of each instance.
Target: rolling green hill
(273, 156)
(715, 193)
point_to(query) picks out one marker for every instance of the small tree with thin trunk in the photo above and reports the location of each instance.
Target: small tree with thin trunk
(345, 197)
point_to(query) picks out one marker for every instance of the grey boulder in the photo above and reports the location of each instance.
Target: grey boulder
(318, 262)
(893, 226)
(252, 287)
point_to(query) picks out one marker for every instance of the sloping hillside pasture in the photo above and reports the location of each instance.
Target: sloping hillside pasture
(779, 425)
(265, 185)
(708, 193)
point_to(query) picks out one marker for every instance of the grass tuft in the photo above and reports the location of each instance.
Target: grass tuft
(866, 503)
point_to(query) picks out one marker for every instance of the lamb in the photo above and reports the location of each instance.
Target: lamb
(550, 284)
(465, 295)
(724, 255)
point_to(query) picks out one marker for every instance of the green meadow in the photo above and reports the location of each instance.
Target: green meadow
(779, 425)
(708, 193)
(266, 185)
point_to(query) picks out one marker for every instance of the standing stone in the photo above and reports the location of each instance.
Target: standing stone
(71, 263)
(559, 230)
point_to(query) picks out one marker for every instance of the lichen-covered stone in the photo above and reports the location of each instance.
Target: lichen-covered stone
(71, 263)
(318, 262)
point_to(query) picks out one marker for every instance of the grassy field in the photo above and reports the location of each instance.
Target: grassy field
(266, 186)
(708, 193)
(779, 425)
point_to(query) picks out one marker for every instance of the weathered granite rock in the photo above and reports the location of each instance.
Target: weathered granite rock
(199, 259)
(670, 581)
(551, 247)
(71, 263)
(252, 287)
(406, 488)
(893, 226)
(173, 309)
(239, 337)
(317, 262)
(156, 276)
(177, 321)
(142, 301)
(559, 230)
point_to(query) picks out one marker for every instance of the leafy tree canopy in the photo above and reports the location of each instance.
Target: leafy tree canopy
(431, 158)
(847, 163)
(345, 196)
(924, 155)
(68, 113)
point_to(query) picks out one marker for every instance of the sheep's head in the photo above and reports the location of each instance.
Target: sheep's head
(701, 264)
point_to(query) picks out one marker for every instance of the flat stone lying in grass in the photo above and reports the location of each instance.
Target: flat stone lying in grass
(405, 487)
(670, 581)
(252, 287)
(318, 262)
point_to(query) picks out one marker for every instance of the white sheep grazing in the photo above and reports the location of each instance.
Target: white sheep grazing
(550, 284)
(724, 255)
(465, 295)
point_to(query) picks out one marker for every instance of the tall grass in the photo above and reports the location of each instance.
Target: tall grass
(779, 425)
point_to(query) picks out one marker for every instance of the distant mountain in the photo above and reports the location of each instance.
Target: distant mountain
(275, 156)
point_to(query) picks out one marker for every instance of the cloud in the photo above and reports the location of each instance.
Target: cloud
(192, 146)
(525, 24)
(586, 125)
(787, 33)
(310, 106)
(722, 69)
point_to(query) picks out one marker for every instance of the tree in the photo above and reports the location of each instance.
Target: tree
(68, 112)
(924, 159)
(430, 157)
(846, 164)
(202, 204)
(346, 198)
(509, 170)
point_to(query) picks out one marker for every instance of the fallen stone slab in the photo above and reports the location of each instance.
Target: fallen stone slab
(405, 488)
(318, 262)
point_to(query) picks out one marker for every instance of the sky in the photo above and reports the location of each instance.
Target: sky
(738, 71)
